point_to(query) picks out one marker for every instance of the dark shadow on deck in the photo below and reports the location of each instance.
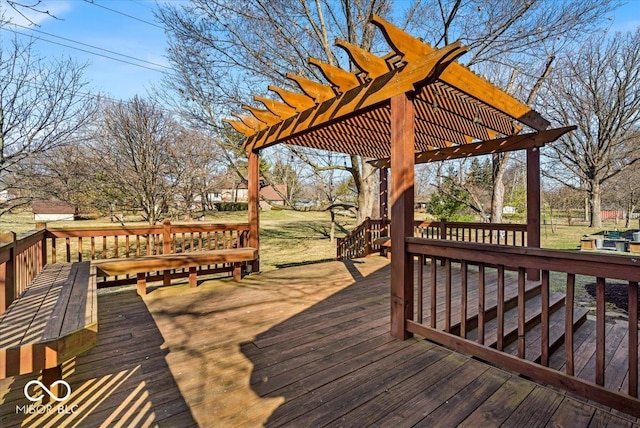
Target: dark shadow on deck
(124, 379)
(336, 364)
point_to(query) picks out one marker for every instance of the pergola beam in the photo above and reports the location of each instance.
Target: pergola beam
(499, 145)
(359, 98)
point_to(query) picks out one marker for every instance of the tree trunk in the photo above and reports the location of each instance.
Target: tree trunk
(497, 196)
(630, 209)
(332, 233)
(367, 193)
(595, 205)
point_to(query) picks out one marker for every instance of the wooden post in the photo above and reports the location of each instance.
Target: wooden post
(49, 376)
(384, 201)
(443, 228)
(254, 207)
(166, 249)
(43, 245)
(367, 237)
(402, 184)
(533, 205)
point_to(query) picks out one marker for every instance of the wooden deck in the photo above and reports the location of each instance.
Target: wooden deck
(302, 346)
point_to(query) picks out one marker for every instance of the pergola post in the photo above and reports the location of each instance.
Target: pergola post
(384, 201)
(533, 204)
(254, 207)
(402, 184)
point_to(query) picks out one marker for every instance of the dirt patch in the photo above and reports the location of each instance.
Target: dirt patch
(616, 294)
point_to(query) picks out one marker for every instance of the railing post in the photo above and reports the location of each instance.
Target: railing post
(367, 237)
(166, 249)
(443, 228)
(9, 271)
(43, 244)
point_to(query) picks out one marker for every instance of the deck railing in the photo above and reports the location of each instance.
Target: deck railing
(108, 242)
(486, 233)
(565, 266)
(362, 240)
(22, 257)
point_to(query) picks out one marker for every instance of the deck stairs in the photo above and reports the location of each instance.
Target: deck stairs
(532, 323)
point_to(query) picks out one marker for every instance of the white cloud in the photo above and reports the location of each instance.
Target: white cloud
(26, 16)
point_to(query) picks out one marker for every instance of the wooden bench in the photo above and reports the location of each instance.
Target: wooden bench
(166, 262)
(53, 320)
(385, 246)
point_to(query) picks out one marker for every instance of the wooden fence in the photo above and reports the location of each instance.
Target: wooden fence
(568, 265)
(23, 257)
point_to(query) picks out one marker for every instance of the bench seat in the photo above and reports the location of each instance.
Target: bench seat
(53, 320)
(166, 262)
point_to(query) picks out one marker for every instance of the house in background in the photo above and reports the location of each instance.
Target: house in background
(270, 196)
(44, 211)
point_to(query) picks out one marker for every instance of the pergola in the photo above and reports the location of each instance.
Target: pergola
(414, 105)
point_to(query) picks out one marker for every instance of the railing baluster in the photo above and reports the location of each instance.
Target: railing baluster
(420, 287)
(104, 247)
(481, 303)
(93, 248)
(54, 251)
(521, 313)
(463, 299)
(434, 294)
(127, 247)
(137, 245)
(568, 323)
(68, 245)
(633, 338)
(447, 295)
(500, 309)
(148, 241)
(79, 248)
(600, 330)
(544, 323)
(115, 246)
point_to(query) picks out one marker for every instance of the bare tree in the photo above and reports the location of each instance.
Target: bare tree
(223, 51)
(42, 106)
(133, 142)
(194, 162)
(597, 89)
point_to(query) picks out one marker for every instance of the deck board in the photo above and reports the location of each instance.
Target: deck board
(302, 346)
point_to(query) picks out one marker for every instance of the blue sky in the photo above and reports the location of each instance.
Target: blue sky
(88, 23)
(93, 24)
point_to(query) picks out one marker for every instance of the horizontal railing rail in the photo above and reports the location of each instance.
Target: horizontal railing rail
(22, 257)
(564, 267)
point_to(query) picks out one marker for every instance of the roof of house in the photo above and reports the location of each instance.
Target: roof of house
(52, 207)
(270, 194)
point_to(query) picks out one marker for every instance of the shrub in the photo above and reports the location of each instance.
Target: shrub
(231, 206)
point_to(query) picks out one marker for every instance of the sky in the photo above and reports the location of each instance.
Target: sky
(126, 42)
(128, 33)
